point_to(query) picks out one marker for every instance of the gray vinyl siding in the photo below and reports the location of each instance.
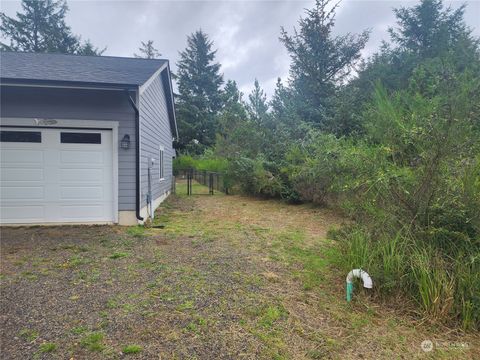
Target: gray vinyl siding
(155, 132)
(77, 104)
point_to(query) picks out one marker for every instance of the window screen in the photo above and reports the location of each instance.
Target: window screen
(21, 136)
(80, 138)
(161, 163)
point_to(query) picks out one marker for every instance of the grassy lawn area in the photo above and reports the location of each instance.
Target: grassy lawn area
(228, 277)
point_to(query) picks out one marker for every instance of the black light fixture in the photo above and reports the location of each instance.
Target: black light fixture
(125, 143)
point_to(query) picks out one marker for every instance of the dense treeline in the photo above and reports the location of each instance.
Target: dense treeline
(394, 144)
(41, 27)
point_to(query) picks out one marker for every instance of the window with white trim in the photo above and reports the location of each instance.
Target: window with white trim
(161, 163)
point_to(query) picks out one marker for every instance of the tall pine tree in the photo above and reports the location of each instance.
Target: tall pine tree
(257, 105)
(233, 112)
(200, 97)
(425, 33)
(41, 27)
(428, 29)
(320, 61)
(148, 51)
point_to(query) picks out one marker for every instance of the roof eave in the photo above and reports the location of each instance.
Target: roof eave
(66, 84)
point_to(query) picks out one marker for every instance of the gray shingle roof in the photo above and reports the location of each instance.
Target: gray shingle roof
(76, 68)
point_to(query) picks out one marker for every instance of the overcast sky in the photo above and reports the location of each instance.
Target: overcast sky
(244, 32)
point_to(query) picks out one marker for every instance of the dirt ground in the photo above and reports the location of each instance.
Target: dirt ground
(228, 277)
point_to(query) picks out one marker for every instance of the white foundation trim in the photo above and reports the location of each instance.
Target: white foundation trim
(155, 205)
(128, 218)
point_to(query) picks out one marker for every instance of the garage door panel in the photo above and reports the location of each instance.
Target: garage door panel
(22, 193)
(85, 175)
(21, 174)
(82, 157)
(18, 214)
(81, 193)
(54, 182)
(83, 212)
(21, 156)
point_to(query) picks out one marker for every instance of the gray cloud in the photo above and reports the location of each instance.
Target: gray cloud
(245, 32)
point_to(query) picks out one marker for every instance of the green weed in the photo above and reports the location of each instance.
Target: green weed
(118, 255)
(47, 347)
(28, 334)
(93, 341)
(131, 349)
(136, 231)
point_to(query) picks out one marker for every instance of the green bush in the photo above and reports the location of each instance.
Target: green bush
(183, 162)
(414, 186)
(253, 176)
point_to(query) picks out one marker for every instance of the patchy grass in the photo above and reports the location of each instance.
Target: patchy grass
(227, 277)
(93, 341)
(118, 255)
(47, 347)
(131, 349)
(136, 231)
(270, 315)
(78, 330)
(28, 335)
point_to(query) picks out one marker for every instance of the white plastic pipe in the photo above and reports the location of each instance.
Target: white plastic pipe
(360, 274)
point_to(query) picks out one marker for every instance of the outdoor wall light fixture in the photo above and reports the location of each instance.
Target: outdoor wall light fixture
(125, 143)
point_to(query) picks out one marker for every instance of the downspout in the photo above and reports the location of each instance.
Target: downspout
(137, 157)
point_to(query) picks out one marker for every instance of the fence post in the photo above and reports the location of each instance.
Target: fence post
(189, 181)
(210, 183)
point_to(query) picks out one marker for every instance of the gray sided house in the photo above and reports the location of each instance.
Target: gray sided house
(84, 139)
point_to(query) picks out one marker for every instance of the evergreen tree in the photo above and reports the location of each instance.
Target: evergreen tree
(148, 51)
(200, 96)
(424, 34)
(234, 129)
(257, 106)
(41, 27)
(428, 29)
(320, 61)
(233, 113)
(282, 104)
(231, 94)
(285, 122)
(87, 48)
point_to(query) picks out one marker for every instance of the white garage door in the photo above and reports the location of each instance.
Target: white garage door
(56, 176)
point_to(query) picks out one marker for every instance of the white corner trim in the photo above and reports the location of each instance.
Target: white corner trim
(115, 190)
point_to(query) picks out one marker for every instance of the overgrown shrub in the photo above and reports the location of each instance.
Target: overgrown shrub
(254, 177)
(417, 196)
(206, 162)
